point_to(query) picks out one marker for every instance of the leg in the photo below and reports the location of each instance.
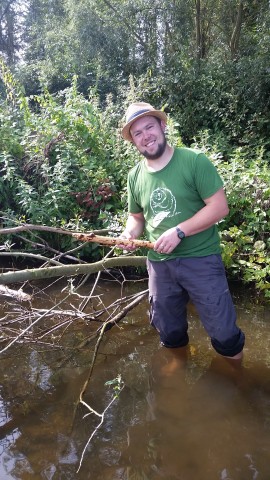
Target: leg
(168, 301)
(238, 356)
(205, 280)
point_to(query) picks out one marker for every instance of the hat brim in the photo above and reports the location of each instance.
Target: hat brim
(151, 113)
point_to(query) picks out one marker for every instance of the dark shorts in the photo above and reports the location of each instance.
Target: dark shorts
(202, 280)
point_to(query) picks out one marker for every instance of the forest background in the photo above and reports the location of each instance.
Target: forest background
(68, 71)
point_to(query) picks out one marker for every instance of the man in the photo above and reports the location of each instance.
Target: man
(176, 196)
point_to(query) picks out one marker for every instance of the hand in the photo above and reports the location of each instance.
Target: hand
(128, 248)
(167, 242)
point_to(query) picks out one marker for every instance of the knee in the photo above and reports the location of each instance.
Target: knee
(230, 347)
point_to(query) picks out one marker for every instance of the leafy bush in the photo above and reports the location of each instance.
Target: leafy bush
(55, 165)
(245, 232)
(229, 98)
(64, 163)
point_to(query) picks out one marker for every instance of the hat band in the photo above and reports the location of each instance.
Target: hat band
(134, 115)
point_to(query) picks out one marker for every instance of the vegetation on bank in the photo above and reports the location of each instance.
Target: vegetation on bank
(75, 67)
(64, 163)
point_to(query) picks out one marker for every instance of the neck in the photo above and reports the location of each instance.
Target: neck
(161, 162)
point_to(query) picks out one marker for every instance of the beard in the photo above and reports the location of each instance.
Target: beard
(159, 152)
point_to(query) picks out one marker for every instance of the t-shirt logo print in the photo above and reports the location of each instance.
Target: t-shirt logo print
(163, 205)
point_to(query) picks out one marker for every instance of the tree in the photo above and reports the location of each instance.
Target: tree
(104, 42)
(12, 15)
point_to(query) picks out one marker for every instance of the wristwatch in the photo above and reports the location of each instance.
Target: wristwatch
(180, 233)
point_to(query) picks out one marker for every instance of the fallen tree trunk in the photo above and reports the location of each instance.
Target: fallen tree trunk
(71, 270)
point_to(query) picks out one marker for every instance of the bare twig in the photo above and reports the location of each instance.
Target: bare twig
(85, 303)
(102, 417)
(17, 294)
(44, 245)
(21, 334)
(113, 321)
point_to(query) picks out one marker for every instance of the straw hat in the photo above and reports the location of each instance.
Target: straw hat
(138, 110)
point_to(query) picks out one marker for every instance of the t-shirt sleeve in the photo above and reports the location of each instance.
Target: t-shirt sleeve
(133, 205)
(208, 180)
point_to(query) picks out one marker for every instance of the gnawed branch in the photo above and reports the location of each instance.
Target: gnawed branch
(93, 236)
(113, 241)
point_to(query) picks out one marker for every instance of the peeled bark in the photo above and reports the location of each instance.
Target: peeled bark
(113, 241)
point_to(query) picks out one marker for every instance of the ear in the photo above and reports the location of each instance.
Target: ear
(163, 125)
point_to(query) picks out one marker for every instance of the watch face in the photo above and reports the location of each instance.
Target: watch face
(180, 233)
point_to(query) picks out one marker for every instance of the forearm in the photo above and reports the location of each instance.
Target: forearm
(205, 218)
(134, 226)
(216, 208)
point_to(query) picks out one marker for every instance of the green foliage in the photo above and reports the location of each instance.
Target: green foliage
(11, 28)
(227, 98)
(56, 160)
(63, 163)
(245, 232)
(211, 71)
(117, 384)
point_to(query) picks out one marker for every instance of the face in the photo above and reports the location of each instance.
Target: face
(148, 136)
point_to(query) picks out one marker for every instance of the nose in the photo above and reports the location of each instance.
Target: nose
(146, 134)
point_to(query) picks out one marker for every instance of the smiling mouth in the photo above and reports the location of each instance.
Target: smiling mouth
(155, 153)
(149, 144)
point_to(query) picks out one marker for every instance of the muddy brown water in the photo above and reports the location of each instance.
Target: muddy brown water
(187, 417)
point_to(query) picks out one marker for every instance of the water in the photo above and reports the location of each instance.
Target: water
(189, 416)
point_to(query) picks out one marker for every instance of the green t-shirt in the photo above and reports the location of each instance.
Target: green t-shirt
(171, 196)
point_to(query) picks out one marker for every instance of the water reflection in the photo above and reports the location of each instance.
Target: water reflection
(213, 428)
(183, 414)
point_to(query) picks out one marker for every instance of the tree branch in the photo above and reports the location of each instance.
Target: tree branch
(127, 24)
(43, 228)
(30, 255)
(70, 270)
(234, 42)
(6, 9)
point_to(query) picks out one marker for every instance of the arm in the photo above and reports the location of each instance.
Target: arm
(216, 207)
(134, 228)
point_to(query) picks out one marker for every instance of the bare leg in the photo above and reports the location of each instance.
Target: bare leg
(174, 359)
(239, 356)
